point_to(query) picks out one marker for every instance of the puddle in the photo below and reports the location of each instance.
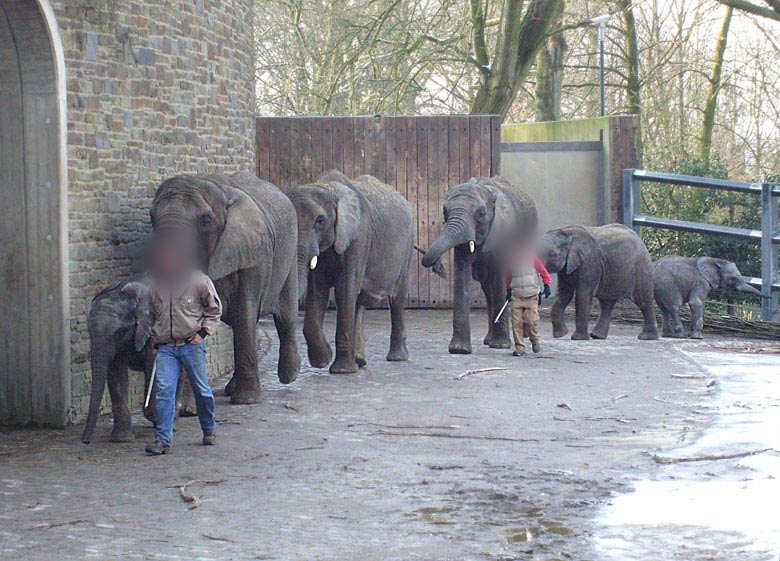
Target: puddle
(724, 509)
(434, 515)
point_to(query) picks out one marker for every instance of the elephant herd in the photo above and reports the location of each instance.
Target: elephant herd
(265, 247)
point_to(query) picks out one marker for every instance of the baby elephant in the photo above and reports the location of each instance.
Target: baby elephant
(688, 280)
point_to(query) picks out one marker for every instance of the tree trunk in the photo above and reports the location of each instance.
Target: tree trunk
(520, 38)
(633, 86)
(711, 106)
(549, 74)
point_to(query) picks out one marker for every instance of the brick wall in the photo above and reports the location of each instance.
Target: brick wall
(154, 88)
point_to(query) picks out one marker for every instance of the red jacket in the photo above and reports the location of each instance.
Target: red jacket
(540, 268)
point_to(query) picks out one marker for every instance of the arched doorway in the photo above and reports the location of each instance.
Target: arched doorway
(34, 333)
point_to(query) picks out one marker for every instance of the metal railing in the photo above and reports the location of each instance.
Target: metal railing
(767, 236)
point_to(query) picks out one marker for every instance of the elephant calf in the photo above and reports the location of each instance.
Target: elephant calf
(119, 326)
(688, 280)
(609, 262)
(356, 237)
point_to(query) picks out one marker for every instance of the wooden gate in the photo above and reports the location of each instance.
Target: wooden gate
(420, 156)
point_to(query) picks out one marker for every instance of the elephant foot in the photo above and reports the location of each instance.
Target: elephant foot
(122, 435)
(500, 343)
(460, 346)
(231, 386)
(150, 414)
(598, 334)
(486, 341)
(320, 355)
(559, 332)
(188, 411)
(343, 365)
(696, 335)
(580, 336)
(360, 361)
(246, 392)
(289, 367)
(647, 335)
(400, 354)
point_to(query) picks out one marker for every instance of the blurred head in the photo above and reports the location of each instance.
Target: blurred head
(172, 257)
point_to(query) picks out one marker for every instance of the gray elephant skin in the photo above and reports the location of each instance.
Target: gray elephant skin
(119, 326)
(688, 280)
(607, 262)
(356, 237)
(246, 232)
(483, 218)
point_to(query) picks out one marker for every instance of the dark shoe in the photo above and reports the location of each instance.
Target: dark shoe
(157, 448)
(518, 353)
(209, 438)
(536, 348)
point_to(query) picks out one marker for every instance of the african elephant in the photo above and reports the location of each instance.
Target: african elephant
(246, 233)
(609, 262)
(119, 326)
(484, 217)
(688, 280)
(357, 237)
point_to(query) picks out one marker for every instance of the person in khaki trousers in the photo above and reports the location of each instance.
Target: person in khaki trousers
(522, 284)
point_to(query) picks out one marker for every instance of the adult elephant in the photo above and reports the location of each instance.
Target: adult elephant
(688, 280)
(483, 218)
(119, 325)
(357, 237)
(609, 262)
(245, 231)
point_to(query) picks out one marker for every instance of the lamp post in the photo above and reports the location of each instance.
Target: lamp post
(601, 21)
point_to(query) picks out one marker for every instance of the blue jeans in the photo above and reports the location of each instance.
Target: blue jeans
(169, 361)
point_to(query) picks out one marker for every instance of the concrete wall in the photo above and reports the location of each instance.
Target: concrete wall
(564, 179)
(618, 136)
(153, 88)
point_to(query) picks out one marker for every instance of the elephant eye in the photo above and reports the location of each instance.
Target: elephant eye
(319, 223)
(482, 215)
(206, 222)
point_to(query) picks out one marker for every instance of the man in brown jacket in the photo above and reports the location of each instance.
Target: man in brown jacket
(186, 310)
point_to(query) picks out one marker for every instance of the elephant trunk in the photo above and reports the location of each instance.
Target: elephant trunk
(745, 287)
(459, 230)
(100, 360)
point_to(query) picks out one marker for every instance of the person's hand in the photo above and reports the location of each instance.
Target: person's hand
(508, 293)
(546, 291)
(195, 339)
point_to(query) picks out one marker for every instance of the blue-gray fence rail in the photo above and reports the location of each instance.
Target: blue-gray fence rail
(767, 236)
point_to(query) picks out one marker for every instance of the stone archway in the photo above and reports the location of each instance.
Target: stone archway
(34, 333)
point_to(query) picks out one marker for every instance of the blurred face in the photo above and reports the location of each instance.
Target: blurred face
(170, 261)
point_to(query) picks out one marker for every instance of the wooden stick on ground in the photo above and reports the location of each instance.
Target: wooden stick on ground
(454, 435)
(194, 502)
(477, 371)
(661, 460)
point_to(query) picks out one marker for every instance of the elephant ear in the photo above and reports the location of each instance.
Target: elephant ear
(143, 315)
(581, 249)
(242, 244)
(349, 216)
(709, 268)
(504, 221)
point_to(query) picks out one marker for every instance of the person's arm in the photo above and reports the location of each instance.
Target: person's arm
(542, 270)
(212, 309)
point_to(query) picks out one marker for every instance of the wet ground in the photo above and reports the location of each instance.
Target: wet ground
(399, 462)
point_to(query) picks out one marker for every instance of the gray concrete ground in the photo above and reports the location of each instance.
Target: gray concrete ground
(399, 462)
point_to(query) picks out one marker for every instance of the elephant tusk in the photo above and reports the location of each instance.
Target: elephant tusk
(471, 246)
(313, 263)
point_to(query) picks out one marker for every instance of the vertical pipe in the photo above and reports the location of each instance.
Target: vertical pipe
(602, 34)
(631, 199)
(769, 207)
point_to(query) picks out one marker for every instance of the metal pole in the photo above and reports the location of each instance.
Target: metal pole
(602, 34)
(769, 207)
(631, 200)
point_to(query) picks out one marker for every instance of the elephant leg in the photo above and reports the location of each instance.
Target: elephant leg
(118, 390)
(583, 300)
(650, 330)
(318, 348)
(289, 365)
(498, 334)
(666, 322)
(347, 286)
(601, 329)
(563, 298)
(461, 303)
(243, 320)
(487, 290)
(185, 399)
(398, 351)
(677, 327)
(697, 318)
(360, 336)
(150, 412)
